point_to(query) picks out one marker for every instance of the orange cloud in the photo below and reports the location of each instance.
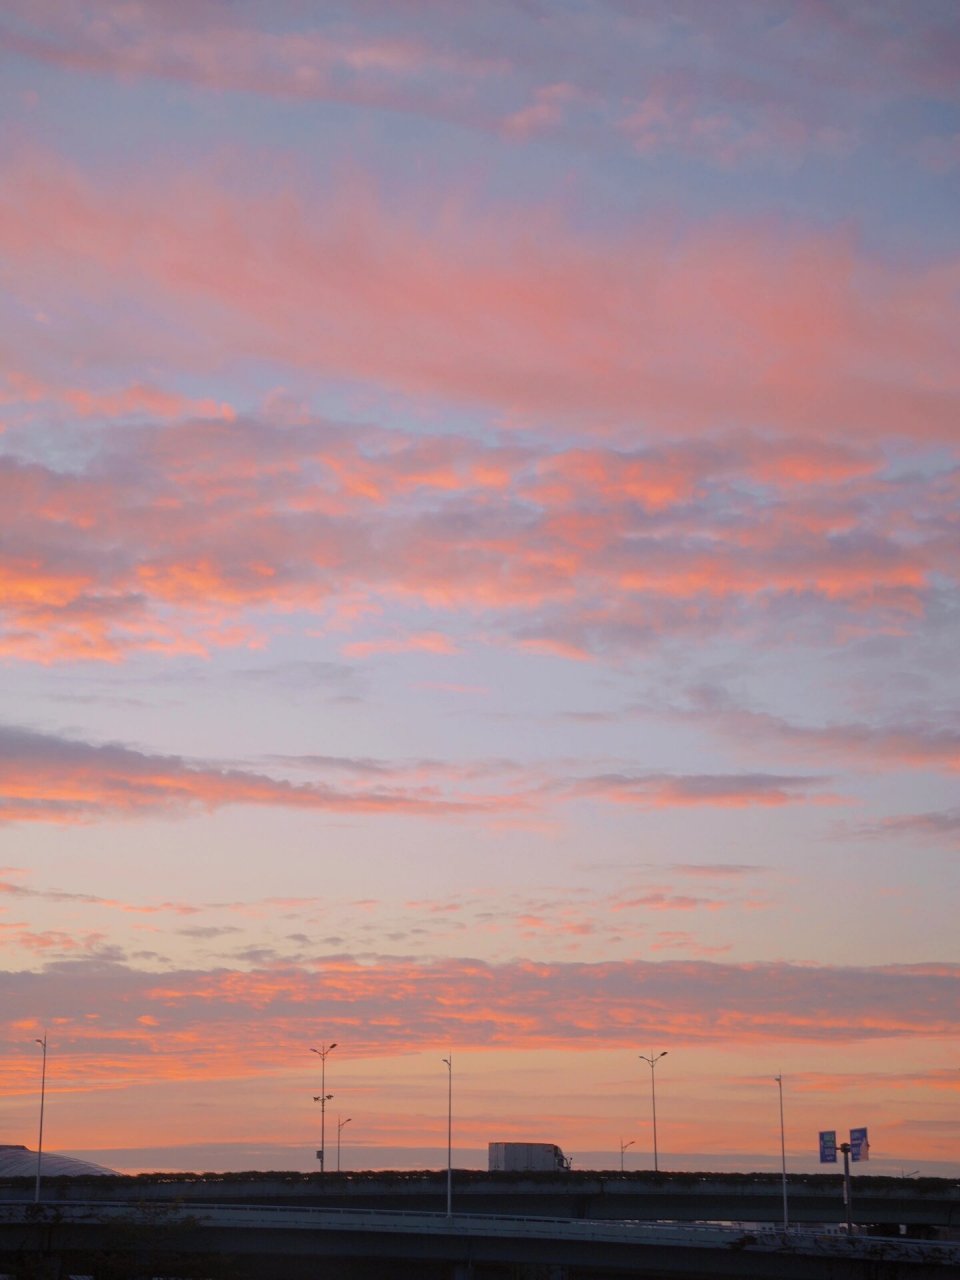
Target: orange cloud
(114, 1030)
(201, 1022)
(44, 778)
(184, 537)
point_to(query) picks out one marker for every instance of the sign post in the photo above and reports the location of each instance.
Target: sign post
(858, 1148)
(845, 1148)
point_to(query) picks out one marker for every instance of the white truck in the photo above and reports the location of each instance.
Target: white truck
(525, 1157)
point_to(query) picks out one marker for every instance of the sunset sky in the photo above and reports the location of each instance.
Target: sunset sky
(479, 576)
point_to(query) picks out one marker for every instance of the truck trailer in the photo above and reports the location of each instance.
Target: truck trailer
(525, 1157)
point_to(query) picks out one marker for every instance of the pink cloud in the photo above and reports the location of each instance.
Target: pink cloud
(545, 112)
(114, 1029)
(11, 889)
(720, 124)
(140, 400)
(939, 827)
(285, 930)
(45, 778)
(754, 324)
(206, 533)
(201, 1018)
(726, 791)
(49, 779)
(665, 902)
(569, 74)
(921, 745)
(677, 940)
(213, 49)
(53, 941)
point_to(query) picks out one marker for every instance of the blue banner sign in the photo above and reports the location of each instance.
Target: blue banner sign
(859, 1146)
(828, 1146)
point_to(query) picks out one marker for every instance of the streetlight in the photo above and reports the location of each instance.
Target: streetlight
(449, 1063)
(323, 1097)
(340, 1124)
(652, 1060)
(43, 1090)
(623, 1147)
(783, 1157)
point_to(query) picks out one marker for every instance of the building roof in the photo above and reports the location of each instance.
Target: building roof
(20, 1162)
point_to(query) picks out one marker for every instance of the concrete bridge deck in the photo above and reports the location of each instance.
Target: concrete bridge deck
(923, 1206)
(294, 1243)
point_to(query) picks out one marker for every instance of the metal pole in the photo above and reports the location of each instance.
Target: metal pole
(783, 1156)
(653, 1060)
(623, 1147)
(323, 1099)
(449, 1062)
(43, 1091)
(845, 1148)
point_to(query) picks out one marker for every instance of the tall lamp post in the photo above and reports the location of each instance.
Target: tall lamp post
(449, 1062)
(340, 1125)
(783, 1156)
(652, 1061)
(623, 1147)
(43, 1090)
(323, 1098)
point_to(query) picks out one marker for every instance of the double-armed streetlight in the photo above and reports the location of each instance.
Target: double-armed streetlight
(323, 1097)
(652, 1061)
(340, 1125)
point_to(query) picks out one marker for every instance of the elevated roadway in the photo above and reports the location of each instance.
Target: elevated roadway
(921, 1206)
(248, 1242)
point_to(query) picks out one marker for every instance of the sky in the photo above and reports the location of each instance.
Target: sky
(478, 543)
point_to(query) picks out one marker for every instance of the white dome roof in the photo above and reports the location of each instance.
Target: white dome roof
(19, 1162)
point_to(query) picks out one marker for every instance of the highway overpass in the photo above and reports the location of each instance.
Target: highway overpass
(929, 1206)
(250, 1242)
